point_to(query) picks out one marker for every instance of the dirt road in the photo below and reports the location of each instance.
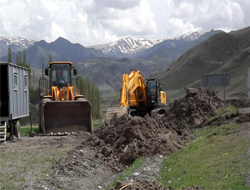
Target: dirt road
(29, 160)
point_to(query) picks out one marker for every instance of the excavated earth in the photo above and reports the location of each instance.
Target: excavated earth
(102, 156)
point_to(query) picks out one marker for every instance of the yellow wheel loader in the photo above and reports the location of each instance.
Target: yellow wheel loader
(139, 98)
(62, 108)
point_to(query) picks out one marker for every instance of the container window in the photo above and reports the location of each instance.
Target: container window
(25, 82)
(15, 81)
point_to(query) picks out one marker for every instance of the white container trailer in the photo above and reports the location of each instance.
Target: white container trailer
(14, 96)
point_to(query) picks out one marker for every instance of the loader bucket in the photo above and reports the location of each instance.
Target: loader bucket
(67, 116)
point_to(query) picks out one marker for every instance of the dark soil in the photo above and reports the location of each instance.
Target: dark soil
(229, 118)
(148, 185)
(195, 108)
(241, 102)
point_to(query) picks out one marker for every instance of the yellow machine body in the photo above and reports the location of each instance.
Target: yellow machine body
(62, 109)
(138, 96)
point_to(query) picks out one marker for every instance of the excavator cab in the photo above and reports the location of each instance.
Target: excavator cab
(155, 97)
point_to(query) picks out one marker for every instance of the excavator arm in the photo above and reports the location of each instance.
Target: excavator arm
(124, 91)
(133, 91)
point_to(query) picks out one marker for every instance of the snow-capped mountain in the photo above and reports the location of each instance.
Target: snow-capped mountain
(189, 36)
(15, 43)
(130, 47)
(127, 46)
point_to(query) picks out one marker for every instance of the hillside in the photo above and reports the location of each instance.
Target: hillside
(108, 72)
(223, 52)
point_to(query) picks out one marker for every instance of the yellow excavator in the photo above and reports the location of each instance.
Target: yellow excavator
(62, 108)
(138, 97)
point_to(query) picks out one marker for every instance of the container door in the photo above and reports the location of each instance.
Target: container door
(4, 92)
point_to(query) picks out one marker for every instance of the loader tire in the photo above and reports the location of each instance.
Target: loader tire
(17, 129)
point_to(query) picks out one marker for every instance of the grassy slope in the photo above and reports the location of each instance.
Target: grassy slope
(223, 52)
(217, 159)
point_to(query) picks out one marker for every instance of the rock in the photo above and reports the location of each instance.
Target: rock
(135, 174)
(32, 134)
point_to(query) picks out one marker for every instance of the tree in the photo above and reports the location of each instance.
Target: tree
(24, 57)
(92, 94)
(50, 58)
(29, 69)
(98, 101)
(19, 57)
(33, 77)
(42, 67)
(9, 54)
(83, 89)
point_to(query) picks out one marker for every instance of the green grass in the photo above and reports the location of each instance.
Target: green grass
(97, 124)
(137, 163)
(222, 112)
(216, 159)
(229, 109)
(26, 130)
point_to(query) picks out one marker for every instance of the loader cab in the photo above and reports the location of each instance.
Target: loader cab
(60, 73)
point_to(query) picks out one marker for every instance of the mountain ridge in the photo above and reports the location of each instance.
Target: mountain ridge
(131, 47)
(15, 43)
(60, 49)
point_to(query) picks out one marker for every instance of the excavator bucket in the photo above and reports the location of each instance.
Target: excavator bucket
(66, 116)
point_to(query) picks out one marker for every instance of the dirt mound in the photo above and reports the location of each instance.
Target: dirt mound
(241, 102)
(128, 138)
(148, 185)
(229, 118)
(195, 108)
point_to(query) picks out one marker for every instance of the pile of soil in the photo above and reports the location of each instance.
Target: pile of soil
(127, 138)
(229, 118)
(195, 108)
(241, 102)
(149, 185)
